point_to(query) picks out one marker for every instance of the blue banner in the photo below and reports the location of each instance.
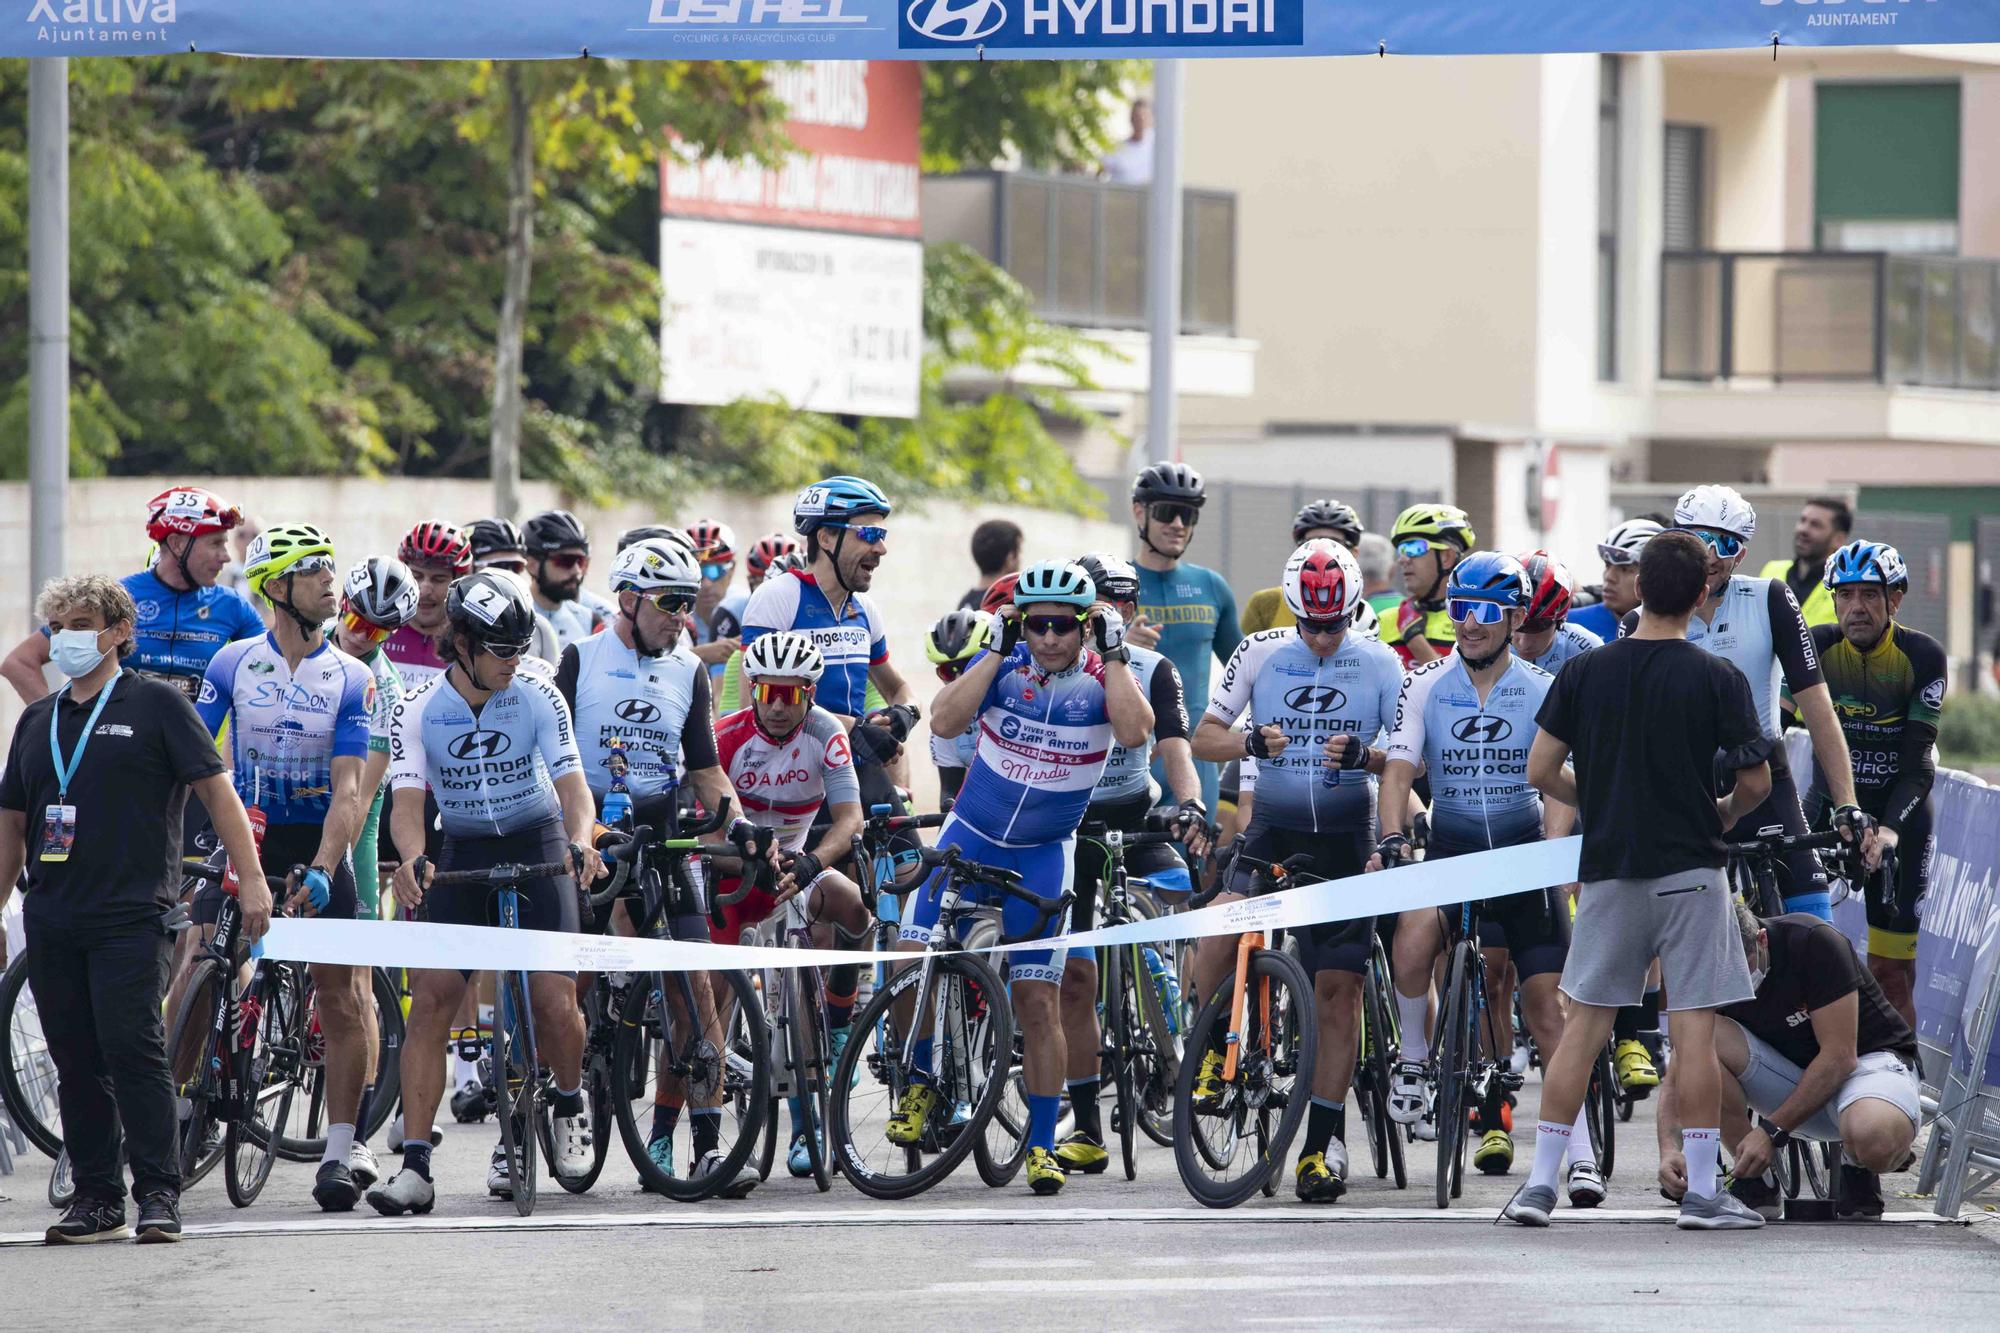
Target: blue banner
(966, 29)
(1960, 914)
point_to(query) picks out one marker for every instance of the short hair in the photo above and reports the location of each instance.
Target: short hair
(1843, 513)
(994, 543)
(1747, 925)
(1673, 572)
(88, 592)
(1654, 516)
(1376, 556)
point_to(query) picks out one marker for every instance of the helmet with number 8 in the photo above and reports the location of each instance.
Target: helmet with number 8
(382, 592)
(783, 653)
(1322, 581)
(1862, 563)
(1718, 507)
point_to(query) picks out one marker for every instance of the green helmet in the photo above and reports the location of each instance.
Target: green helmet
(278, 548)
(1432, 520)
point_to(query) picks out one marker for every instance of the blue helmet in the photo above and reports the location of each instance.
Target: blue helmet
(1489, 576)
(1867, 562)
(837, 500)
(1055, 581)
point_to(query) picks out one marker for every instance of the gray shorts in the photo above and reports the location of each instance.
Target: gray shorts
(1686, 921)
(1769, 1079)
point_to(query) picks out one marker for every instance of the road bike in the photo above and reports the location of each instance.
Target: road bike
(1377, 1056)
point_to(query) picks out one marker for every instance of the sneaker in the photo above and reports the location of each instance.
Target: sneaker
(333, 1188)
(1409, 1092)
(661, 1151)
(1045, 1171)
(1636, 1073)
(159, 1218)
(1720, 1211)
(362, 1166)
(799, 1161)
(711, 1161)
(1586, 1185)
(1321, 1177)
(405, 1192)
(1495, 1153)
(1859, 1193)
(468, 1104)
(1208, 1084)
(1080, 1152)
(906, 1127)
(87, 1221)
(1531, 1206)
(1760, 1195)
(575, 1146)
(499, 1182)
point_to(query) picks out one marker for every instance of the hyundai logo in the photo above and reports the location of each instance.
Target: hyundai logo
(480, 745)
(1482, 730)
(1315, 699)
(956, 20)
(637, 710)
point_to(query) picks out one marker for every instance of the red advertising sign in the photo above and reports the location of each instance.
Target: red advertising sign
(854, 123)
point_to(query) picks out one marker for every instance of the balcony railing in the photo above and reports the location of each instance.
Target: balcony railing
(1079, 244)
(1822, 315)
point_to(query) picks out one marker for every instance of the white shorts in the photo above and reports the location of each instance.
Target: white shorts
(1769, 1080)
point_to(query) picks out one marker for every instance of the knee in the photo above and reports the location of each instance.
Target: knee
(1876, 1142)
(1035, 1004)
(339, 1008)
(1338, 991)
(1079, 983)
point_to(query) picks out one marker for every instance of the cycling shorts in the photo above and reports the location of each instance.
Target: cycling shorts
(1892, 927)
(738, 917)
(548, 903)
(1330, 946)
(1533, 927)
(285, 846)
(1045, 869)
(1801, 877)
(1156, 862)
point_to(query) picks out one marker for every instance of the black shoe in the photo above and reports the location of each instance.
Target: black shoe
(159, 1218)
(1860, 1193)
(88, 1220)
(1760, 1195)
(334, 1189)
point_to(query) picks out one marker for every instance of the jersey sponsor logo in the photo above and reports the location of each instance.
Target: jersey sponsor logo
(1482, 729)
(147, 610)
(756, 778)
(1315, 699)
(291, 694)
(261, 668)
(1933, 695)
(480, 744)
(637, 710)
(207, 695)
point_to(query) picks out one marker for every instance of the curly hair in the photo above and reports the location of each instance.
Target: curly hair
(88, 592)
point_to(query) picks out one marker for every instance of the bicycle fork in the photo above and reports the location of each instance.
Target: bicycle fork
(1246, 945)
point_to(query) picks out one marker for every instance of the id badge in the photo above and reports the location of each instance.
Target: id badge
(58, 832)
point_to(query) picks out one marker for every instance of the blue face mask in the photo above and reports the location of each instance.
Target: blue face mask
(75, 651)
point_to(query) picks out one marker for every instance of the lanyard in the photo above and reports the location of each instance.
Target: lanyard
(64, 772)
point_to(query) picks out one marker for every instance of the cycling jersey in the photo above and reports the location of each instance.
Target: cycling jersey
(1596, 620)
(851, 641)
(1568, 642)
(177, 634)
(656, 707)
(1043, 742)
(491, 770)
(1125, 772)
(287, 727)
(783, 783)
(1476, 753)
(1196, 613)
(1266, 609)
(368, 843)
(1281, 681)
(955, 751)
(1413, 621)
(1888, 700)
(415, 656)
(575, 619)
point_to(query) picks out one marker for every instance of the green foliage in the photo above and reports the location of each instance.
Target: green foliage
(1969, 732)
(1053, 114)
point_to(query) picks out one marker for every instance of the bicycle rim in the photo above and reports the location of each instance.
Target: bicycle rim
(189, 1044)
(27, 1070)
(248, 1145)
(1604, 1117)
(1125, 1034)
(1454, 1064)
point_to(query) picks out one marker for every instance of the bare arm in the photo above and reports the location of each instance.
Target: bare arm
(1752, 786)
(225, 812)
(1131, 715)
(1216, 741)
(1177, 758)
(23, 667)
(347, 811)
(406, 830)
(1398, 775)
(1829, 744)
(1834, 1026)
(1546, 760)
(579, 814)
(890, 681)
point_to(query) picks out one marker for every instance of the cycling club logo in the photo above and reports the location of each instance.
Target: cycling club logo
(477, 744)
(1010, 727)
(1482, 730)
(942, 24)
(1933, 695)
(1315, 699)
(637, 710)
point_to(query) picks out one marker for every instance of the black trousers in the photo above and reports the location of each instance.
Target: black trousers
(99, 990)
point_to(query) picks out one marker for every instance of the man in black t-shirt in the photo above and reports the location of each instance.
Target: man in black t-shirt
(1645, 718)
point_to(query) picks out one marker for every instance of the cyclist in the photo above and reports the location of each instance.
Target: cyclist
(1048, 707)
(1620, 553)
(1469, 719)
(1316, 695)
(1430, 539)
(435, 554)
(715, 548)
(1331, 519)
(788, 760)
(379, 598)
(496, 746)
(298, 711)
(1545, 635)
(951, 643)
(1888, 683)
(498, 544)
(558, 558)
(756, 564)
(1186, 613)
(1121, 799)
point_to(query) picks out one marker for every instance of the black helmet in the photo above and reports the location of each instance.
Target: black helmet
(1328, 514)
(1169, 481)
(494, 536)
(555, 530)
(491, 609)
(1112, 576)
(650, 531)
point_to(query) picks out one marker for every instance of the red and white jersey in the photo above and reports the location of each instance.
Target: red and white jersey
(782, 784)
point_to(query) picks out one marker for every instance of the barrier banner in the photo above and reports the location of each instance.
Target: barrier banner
(1960, 913)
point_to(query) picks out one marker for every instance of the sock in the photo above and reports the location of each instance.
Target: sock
(1325, 1122)
(1649, 1011)
(1625, 1027)
(841, 983)
(567, 1101)
(339, 1138)
(1703, 1148)
(1411, 1015)
(1581, 1146)
(1042, 1113)
(1083, 1104)
(920, 1060)
(417, 1156)
(665, 1117)
(707, 1127)
(798, 1115)
(1551, 1142)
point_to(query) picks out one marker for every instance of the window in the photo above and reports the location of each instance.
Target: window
(1886, 164)
(1685, 165)
(1608, 166)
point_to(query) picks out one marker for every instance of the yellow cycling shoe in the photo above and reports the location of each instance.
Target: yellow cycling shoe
(1208, 1085)
(1045, 1171)
(1495, 1153)
(912, 1113)
(1317, 1180)
(1080, 1152)
(1635, 1066)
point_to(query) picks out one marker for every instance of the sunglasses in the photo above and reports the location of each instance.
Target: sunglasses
(1537, 626)
(1617, 555)
(312, 564)
(769, 692)
(569, 560)
(871, 533)
(364, 629)
(1317, 626)
(668, 603)
(1168, 513)
(1462, 609)
(1726, 545)
(715, 569)
(506, 652)
(1053, 626)
(1414, 548)
(509, 563)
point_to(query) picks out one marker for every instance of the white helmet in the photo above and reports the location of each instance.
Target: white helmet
(1322, 581)
(655, 565)
(1717, 507)
(1621, 545)
(783, 653)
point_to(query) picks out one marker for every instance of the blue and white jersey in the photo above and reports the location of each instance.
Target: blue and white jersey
(1279, 681)
(1127, 773)
(1042, 743)
(1595, 619)
(178, 634)
(287, 727)
(1476, 751)
(641, 702)
(851, 641)
(574, 620)
(491, 770)
(1569, 642)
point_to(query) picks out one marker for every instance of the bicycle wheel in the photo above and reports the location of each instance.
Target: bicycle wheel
(963, 1012)
(1223, 1159)
(515, 1087)
(27, 1070)
(62, 1181)
(1119, 983)
(808, 1021)
(1457, 1051)
(386, 1002)
(191, 1060)
(1002, 1148)
(1158, 1055)
(273, 1072)
(1601, 1099)
(658, 1043)
(596, 1089)
(1385, 1135)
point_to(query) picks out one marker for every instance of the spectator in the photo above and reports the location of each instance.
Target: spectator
(1381, 586)
(996, 549)
(1822, 529)
(103, 859)
(1131, 163)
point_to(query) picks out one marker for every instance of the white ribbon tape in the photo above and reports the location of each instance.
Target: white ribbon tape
(1493, 874)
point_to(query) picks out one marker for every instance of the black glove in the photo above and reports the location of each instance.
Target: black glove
(742, 835)
(873, 744)
(1394, 851)
(1257, 744)
(898, 720)
(1011, 629)
(804, 868)
(1355, 755)
(1191, 811)
(1850, 821)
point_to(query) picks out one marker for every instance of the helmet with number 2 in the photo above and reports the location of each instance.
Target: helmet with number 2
(1322, 581)
(491, 608)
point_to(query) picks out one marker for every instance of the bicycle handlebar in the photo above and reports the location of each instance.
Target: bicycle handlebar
(199, 868)
(501, 874)
(1776, 844)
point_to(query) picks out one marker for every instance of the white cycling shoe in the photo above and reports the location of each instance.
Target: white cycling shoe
(574, 1146)
(1409, 1092)
(362, 1166)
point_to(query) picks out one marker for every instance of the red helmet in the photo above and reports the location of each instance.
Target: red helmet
(1322, 582)
(768, 549)
(1000, 594)
(712, 540)
(1552, 589)
(189, 510)
(437, 544)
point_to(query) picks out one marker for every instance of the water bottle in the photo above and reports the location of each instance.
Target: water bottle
(617, 805)
(1166, 985)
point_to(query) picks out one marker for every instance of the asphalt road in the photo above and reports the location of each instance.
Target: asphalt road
(1105, 1252)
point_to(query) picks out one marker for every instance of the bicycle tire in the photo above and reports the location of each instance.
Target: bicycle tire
(1456, 1052)
(311, 1146)
(1602, 1097)
(1384, 1134)
(1125, 1104)
(640, 1045)
(248, 1144)
(998, 1165)
(513, 1105)
(30, 1109)
(193, 1022)
(809, 1070)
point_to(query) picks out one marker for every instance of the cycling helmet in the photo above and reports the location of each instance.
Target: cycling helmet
(1434, 520)
(437, 545)
(655, 566)
(655, 532)
(1055, 581)
(495, 536)
(1550, 588)
(1489, 576)
(381, 591)
(837, 500)
(758, 560)
(1113, 576)
(280, 547)
(782, 653)
(554, 530)
(189, 511)
(1621, 545)
(1861, 562)
(785, 563)
(958, 636)
(1717, 507)
(712, 540)
(1173, 482)
(491, 608)
(999, 593)
(1328, 514)
(1322, 581)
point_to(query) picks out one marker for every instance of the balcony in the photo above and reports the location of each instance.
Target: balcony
(1079, 244)
(1862, 318)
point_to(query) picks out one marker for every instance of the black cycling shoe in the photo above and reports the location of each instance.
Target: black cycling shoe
(334, 1189)
(88, 1220)
(469, 1105)
(159, 1218)
(1859, 1193)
